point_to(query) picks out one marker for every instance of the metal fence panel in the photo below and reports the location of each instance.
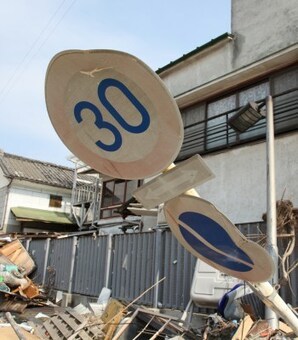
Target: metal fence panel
(178, 268)
(90, 265)
(137, 262)
(59, 263)
(133, 266)
(37, 250)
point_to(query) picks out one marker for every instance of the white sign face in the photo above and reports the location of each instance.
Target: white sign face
(172, 183)
(209, 235)
(113, 112)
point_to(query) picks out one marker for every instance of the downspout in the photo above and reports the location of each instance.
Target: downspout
(72, 263)
(5, 204)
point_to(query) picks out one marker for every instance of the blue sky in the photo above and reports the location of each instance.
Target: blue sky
(33, 31)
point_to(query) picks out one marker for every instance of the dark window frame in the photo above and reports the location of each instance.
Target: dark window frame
(198, 135)
(55, 201)
(108, 211)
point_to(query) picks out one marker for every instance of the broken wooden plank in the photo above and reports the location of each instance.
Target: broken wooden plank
(243, 329)
(17, 254)
(31, 291)
(13, 306)
(77, 316)
(159, 332)
(62, 326)
(145, 328)
(159, 320)
(39, 330)
(96, 331)
(52, 330)
(260, 329)
(285, 328)
(84, 336)
(125, 326)
(71, 321)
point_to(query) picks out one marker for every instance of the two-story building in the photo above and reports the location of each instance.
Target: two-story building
(39, 196)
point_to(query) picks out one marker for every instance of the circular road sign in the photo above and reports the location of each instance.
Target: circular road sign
(113, 112)
(211, 236)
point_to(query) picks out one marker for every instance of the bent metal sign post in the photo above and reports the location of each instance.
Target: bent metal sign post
(116, 115)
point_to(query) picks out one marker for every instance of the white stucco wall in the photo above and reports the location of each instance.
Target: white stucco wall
(35, 196)
(265, 38)
(239, 188)
(201, 69)
(262, 28)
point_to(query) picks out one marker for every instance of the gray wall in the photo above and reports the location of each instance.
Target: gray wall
(262, 28)
(239, 186)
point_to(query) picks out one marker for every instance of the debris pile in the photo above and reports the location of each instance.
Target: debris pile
(15, 267)
(121, 321)
(220, 329)
(27, 312)
(116, 321)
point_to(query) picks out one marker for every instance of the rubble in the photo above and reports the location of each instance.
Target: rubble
(26, 312)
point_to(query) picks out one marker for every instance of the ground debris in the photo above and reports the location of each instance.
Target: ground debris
(217, 328)
(15, 266)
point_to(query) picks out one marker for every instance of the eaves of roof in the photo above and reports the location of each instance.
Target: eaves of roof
(45, 216)
(25, 169)
(196, 51)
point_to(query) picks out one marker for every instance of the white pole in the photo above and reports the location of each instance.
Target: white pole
(274, 302)
(270, 315)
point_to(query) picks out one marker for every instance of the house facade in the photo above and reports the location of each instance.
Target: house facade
(211, 83)
(36, 196)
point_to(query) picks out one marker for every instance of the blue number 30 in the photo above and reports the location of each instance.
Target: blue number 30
(101, 124)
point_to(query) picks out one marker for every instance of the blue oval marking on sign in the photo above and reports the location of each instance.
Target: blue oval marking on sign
(101, 124)
(214, 234)
(110, 82)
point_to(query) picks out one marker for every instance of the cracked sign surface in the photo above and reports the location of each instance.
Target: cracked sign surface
(210, 236)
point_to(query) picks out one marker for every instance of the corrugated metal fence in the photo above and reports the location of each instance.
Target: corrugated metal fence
(128, 264)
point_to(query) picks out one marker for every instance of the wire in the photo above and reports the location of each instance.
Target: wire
(18, 72)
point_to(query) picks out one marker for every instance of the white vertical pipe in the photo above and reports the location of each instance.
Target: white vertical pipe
(72, 263)
(157, 266)
(275, 303)
(108, 260)
(46, 257)
(270, 315)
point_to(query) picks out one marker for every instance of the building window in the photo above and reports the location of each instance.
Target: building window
(55, 201)
(114, 194)
(217, 120)
(205, 123)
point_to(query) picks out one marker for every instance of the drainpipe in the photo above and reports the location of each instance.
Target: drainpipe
(157, 266)
(46, 257)
(28, 241)
(109, 260)
(72, 263)
(5, 204)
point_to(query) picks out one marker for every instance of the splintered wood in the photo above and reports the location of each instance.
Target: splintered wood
(18, 255)
(243, 328)
(67, 325)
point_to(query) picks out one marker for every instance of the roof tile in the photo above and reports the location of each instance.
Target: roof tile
(17, 167)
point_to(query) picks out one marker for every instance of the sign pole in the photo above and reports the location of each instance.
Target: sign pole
(271, 204)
